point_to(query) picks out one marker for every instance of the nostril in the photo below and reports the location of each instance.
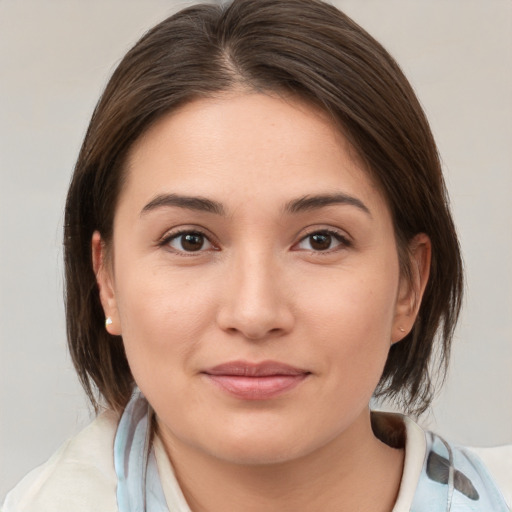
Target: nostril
(255, 310)
(255, 333)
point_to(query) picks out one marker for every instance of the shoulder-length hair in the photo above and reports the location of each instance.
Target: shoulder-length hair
(301, 47)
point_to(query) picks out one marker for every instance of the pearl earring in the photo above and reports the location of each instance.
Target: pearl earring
(400, 328)
(108, 321)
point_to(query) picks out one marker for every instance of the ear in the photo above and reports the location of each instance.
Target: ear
(103, 271)
(411, 288)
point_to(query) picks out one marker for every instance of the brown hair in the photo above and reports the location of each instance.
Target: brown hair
(315, 52)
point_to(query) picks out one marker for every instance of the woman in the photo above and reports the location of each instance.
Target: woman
(257, 242)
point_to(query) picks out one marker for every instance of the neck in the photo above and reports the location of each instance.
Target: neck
(354, 471)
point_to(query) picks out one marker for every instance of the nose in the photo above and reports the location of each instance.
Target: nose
(256, 301)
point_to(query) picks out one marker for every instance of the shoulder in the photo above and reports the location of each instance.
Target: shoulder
(80, 476)
(439, 475)
(498, 461)
(458, 477)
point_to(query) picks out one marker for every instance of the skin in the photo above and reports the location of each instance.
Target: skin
(260, 289)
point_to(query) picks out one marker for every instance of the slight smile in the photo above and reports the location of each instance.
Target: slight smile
(255, 381)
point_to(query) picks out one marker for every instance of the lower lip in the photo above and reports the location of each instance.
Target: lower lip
(257, 388)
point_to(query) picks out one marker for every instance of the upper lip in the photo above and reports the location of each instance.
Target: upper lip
(248, 369)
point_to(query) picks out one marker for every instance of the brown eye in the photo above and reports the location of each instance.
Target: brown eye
(320, 241)
(323, 241)
(189, 242)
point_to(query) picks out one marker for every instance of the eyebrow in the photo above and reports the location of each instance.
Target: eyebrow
(303, 204)
(200, 204)
(307, 203)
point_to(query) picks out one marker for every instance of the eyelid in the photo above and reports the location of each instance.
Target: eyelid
(174, 233)
(343, 238)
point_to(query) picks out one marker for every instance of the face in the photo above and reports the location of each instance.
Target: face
(254, 279)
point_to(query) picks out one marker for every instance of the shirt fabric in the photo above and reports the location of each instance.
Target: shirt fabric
(86, 474)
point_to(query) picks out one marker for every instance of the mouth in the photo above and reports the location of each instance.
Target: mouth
(255, 381)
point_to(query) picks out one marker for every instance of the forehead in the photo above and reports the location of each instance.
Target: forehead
(245, 145)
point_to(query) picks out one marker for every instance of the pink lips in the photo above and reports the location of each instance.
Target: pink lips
(256, 381)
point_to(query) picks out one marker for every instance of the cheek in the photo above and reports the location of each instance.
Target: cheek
(162, 316)
(351, 319)
(357, 301)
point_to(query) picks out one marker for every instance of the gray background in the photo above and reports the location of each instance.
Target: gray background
(55, 58)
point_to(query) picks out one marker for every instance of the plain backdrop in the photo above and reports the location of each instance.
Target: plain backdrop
(55, 58)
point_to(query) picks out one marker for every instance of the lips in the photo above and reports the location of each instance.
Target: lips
(255, 381)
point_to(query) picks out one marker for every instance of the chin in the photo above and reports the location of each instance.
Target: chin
(256, 453)
(261, 446)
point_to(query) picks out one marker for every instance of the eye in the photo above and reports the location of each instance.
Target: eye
(189, 241)
(324, 240)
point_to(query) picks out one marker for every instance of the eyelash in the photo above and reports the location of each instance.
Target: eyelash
(344, 242)
(177, 234)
